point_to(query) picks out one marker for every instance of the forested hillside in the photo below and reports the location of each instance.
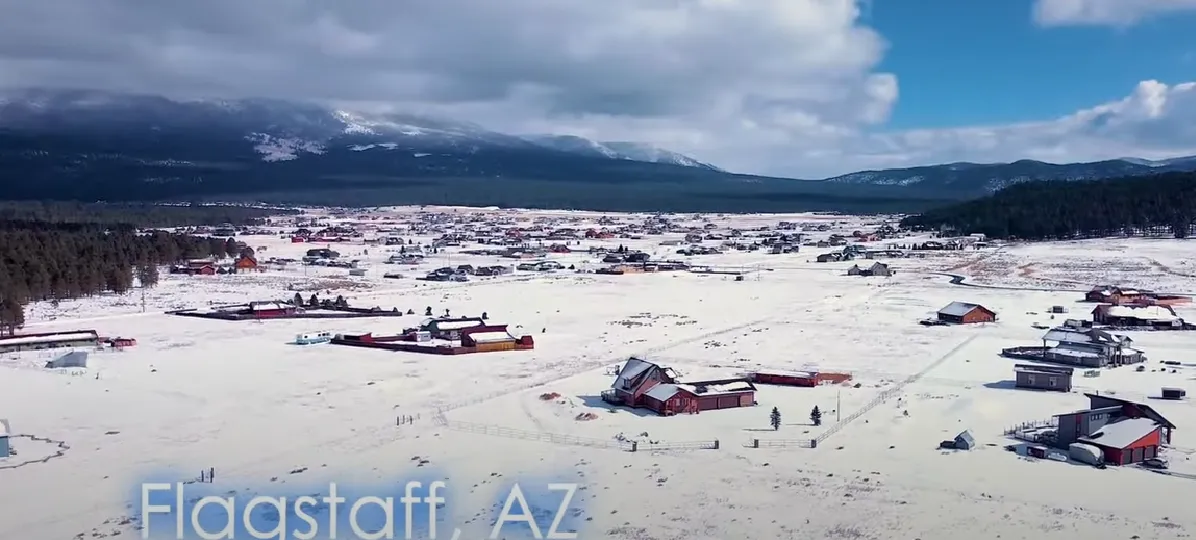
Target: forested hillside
(1057, 210)
(55, 251)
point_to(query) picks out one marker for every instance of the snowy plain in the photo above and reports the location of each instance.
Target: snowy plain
(236, 396)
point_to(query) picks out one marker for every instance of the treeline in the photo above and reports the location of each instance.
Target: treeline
(135, 214)
(55, 251)
(1062, 210)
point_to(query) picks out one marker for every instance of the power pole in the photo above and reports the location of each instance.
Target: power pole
(838, 406)
(143, 297)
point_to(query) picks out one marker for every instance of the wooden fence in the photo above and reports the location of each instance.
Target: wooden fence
(572, 440)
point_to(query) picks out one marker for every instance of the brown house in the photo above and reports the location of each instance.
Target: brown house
(1116, 295)
(246, 263)
(965, 313)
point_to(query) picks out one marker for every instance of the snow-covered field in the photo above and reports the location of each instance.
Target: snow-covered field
(236, 396)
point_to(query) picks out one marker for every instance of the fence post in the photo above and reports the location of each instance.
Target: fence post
(755, 443)
(634, 445)
(813, 443)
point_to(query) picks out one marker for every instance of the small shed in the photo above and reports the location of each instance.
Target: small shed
(5, 449)
(73, 359)
(1173, 393)
(965, 441)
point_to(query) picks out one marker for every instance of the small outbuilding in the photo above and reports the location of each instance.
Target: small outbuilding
(965, 441)
(966, 313)
(73, 359)
(1043, 377)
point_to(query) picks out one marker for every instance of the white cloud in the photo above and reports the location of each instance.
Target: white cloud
(1104, 12)
(787, 87)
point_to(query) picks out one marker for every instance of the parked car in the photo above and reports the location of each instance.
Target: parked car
(1156, 463)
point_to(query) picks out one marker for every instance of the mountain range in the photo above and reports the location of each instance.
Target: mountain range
(92, 145)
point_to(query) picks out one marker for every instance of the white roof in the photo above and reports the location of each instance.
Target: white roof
(22, 340)
(1122, 433)
(3, 428)
(1146, 313)
(458, 325)
(662, 392)
(728, 388)
(785, 372)
(490, 337)
(1074, 353)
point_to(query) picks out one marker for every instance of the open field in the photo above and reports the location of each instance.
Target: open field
(236, 396)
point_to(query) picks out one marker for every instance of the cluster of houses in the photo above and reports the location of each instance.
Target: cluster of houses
(1122, 307)
(244, 264)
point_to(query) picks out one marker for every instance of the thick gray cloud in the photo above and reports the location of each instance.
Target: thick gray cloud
(770, 86)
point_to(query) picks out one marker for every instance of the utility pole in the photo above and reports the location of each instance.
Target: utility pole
(143, 297)
(838, 406)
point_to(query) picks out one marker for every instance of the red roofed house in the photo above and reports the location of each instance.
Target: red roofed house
(1124, 431)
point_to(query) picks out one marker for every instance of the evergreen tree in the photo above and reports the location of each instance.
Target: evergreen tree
(775, 419)
(298, 300)
(314, 301)
(816, 416)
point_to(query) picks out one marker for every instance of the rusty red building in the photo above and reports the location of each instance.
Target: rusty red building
(807, 379)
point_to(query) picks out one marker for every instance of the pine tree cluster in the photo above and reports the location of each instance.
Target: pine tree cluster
(1163, 204)
(60, 251)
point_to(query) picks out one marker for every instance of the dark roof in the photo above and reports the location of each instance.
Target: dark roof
(1147, 409)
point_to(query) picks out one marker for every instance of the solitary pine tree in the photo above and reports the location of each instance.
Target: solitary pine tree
(775, 419)
(298, 300)
(816, 416)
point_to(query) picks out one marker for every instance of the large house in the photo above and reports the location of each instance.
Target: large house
(877, 269)
(1115, 295)
(643, 384)
(1123, 431)
(1089, 347)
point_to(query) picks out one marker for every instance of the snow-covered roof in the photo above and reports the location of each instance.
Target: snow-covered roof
(785, 373)
(24, 340)
(491, 337)
(662, 392)
(724, 388)
(1067, 335)
(442, 324)
(1074, 353)
(1146, 313)
(1122, 433)
(631, 369)
(3, 428)
(958, 309)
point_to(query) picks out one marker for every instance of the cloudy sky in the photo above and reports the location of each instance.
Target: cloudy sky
(803, 88)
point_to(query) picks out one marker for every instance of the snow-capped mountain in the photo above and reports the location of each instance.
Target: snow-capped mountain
(618, 150)
(281, 130)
